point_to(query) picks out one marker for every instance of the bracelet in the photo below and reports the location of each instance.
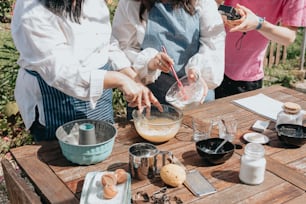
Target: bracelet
(260, 22)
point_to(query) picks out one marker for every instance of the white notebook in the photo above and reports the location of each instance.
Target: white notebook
(262, 105)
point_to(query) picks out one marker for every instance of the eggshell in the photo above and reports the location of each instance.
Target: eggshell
(121, 176)
(109, 191)
(109, 179)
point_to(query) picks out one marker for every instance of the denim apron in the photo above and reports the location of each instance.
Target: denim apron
(60, 108)
(179, 32)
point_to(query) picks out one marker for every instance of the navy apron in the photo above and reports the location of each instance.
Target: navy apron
(179, 32)
(60, 108)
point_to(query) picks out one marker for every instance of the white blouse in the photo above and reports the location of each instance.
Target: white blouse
(67, 55)
(209, 61)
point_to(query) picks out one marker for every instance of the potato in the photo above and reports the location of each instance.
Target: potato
(173, 175)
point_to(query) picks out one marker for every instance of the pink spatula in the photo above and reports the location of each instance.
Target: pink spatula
(179, 83)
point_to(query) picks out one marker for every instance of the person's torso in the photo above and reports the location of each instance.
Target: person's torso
(88, 41)
(244, 55)
(91, 47)
(178, 32)
(174, 29)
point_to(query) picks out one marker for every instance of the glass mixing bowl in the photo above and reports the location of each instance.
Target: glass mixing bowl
(156, 126)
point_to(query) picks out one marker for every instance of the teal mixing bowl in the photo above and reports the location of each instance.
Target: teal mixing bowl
(86, 154)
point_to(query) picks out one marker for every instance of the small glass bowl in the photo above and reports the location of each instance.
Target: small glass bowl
(185, 97)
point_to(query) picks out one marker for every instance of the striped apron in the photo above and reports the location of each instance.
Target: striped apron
(60, 108)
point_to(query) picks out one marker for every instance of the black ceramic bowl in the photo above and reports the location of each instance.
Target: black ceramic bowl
(290, 134)
(205, 149)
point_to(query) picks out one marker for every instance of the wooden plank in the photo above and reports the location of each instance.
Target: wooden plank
(278, 53)
(289, 155)
(18, 190)
(299, 165)
(298, 200)
(25, 151)
(284, 54)
(48, 185)
(278, 194)
(242, 193)
(287, 173)
(271, 54)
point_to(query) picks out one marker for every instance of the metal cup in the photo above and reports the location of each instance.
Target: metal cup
(87, 135)
(143, 160)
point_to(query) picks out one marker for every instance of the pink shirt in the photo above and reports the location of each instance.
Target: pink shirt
(246, 63)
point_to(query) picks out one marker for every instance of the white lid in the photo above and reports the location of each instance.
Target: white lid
(254, 149)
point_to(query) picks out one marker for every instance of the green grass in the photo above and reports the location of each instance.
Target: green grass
(12, 129)
(9, 68)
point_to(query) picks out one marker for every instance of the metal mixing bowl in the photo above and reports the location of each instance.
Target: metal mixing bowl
(86, 154)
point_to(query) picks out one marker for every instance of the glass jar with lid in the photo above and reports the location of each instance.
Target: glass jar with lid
(291, 114)
(253, 164)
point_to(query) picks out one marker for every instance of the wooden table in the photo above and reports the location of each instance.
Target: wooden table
(59, 181)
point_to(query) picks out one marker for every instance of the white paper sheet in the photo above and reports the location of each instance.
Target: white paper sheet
(262, 105)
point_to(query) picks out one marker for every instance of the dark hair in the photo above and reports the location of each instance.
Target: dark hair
(65, 8)
(188, 5)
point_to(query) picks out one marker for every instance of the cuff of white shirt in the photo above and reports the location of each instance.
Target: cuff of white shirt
(120, 63)
(141, 66)
(96, 86)
(194, 67)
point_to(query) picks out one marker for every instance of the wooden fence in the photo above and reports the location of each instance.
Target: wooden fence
(275, 54)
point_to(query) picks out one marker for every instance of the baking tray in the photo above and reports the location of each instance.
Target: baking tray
(92, 191)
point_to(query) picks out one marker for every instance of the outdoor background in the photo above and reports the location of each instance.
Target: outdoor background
(286, 72)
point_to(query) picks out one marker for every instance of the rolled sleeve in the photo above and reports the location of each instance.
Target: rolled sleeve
(209, 61)
(117, 57)
(141, 65)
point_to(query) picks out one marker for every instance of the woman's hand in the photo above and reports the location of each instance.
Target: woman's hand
(193, 75)
(145, 98)
(249, 20)
(138, 95)
(233, 23)
(161, 61)
(135, 93)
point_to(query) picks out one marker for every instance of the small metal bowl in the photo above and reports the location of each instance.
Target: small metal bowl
(291, 134)
(206, 148)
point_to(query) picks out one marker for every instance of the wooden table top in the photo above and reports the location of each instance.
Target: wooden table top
(59, 181)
